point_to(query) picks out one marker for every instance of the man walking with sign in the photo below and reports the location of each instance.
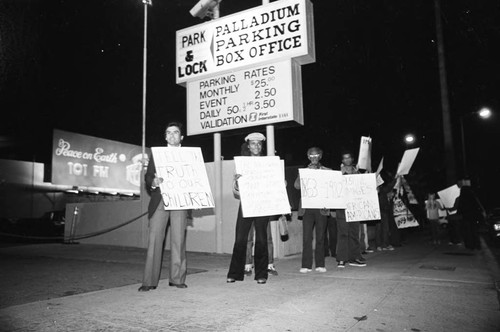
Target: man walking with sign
(313, 219)
(158, 221)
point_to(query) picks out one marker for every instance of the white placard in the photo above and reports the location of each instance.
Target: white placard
(262, 186)
(360, 192)
(320, 188)
(251, 97)
(380, 166)
(449, 195)
(185, 183)
(407, 161)
(402, 215)
(380, 181)
(276, 31)
(364, 155)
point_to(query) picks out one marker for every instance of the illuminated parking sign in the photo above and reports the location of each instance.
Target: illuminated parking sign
(279, 30)
(254, 96)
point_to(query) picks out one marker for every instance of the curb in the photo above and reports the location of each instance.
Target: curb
(493, 267)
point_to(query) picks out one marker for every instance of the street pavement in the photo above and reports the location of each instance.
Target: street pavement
(417, 287)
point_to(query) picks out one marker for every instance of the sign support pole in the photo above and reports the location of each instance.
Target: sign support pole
(143, 145)
(218, 176)
(270, 128)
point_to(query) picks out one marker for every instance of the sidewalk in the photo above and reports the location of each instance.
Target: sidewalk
(414, 288)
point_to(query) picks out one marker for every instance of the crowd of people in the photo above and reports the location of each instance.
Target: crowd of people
(325, 232)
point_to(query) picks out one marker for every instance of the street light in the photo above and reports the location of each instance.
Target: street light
(484, 113)
(410, 139)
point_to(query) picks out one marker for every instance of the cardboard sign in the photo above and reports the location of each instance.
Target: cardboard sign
(360, 192)
(321, 188)
(402, 216)
(449, 195)
(380, 181)
(185, 183)
(407, 161)
(262, 186)
(364, 156)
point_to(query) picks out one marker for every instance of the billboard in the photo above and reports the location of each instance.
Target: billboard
(92, 162)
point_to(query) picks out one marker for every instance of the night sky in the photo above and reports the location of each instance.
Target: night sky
(77, 66)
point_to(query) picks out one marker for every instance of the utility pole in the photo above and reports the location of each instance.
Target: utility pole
(449, 150)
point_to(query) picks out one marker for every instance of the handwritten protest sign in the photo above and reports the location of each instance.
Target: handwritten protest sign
(364, 156)
(403, 217)
(262, 186)
(380, 181)
(320, 188)
(407, 161)
(449, 195)
(185, 183)
(360, 193)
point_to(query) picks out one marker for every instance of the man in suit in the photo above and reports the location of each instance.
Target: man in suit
(158, 222)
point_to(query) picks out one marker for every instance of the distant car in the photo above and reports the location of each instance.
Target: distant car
(493, 223)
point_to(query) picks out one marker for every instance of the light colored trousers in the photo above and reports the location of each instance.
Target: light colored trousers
(157, 232)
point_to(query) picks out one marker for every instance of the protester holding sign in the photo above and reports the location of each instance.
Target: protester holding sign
(313, 218)
(158, 220)
(270, 245)
(471, 211)
(432, 207)
(348, 247)
(243, 226)
(382, 229)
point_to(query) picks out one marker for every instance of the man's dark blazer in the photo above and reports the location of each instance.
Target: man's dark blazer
(154, 193)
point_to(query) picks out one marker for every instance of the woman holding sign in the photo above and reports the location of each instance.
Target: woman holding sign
(243, 226)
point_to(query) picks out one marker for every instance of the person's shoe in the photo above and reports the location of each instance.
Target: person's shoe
(341, 264)
(357, 262)
(146, 288)
(171, 284)
(369, 250)
(272, 270)
(305, 270)
(362, 259)
(261, 281)
(389, 248)
(379, 248)
(230, 280)
(321, 269)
